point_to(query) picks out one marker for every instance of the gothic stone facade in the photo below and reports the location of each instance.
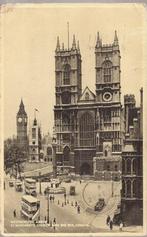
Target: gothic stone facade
(88, 125)
(132, 163)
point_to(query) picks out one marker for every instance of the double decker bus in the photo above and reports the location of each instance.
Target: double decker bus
(30, 207)
(30, 187)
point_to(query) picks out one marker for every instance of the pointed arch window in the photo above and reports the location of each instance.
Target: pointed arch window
(87, 130)
(66, 74)
(107, 71)
(128, 188)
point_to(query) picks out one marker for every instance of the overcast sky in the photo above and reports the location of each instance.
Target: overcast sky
(29, 40)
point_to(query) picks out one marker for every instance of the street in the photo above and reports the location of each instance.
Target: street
(67, 217)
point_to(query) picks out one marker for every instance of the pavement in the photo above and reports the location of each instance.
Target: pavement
(68, 220)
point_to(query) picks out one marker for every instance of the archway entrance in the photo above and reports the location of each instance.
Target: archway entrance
(85, 169)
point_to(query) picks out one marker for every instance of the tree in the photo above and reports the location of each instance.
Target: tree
(13, 157)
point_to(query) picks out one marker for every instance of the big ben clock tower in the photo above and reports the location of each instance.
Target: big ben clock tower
(21, 121)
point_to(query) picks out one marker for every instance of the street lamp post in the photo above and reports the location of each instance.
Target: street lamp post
(112, 188)
(48, 218)
(40, 183)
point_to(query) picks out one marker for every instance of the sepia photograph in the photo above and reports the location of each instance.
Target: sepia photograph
(72, 112)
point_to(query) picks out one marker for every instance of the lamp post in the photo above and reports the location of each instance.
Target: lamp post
(40, 183)
(112, 187)
(48, 206)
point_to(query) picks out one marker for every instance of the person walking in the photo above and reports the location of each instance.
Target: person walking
(108, 220)
(76, 204)
(54, 221)
(121, 226)
(78, 209)
(111, 225)
(53, 198)
(14, 213)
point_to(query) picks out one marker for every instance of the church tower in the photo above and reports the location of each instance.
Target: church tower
(68, 88)
(109, 137)
(21, 121)
(68, 73)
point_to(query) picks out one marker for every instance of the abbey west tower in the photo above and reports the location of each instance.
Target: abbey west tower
(109, 112)
(88, 125)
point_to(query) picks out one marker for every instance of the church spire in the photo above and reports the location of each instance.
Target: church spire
(21, 108)
(99, 41)
(74, 43)
(115, 38)
(58, 44)
(78, 46)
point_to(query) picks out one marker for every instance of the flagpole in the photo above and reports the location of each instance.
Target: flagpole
(34, 113)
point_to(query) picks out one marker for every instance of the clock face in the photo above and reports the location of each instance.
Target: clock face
(107, 96)
(19, 120)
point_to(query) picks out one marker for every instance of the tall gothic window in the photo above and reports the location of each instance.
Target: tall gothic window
(65, 122)
(128, 188)
(86, 130)
(128, 166)
(66, 75)
(107, 71)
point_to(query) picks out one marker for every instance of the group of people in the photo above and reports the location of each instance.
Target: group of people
(109, 222)
(72, 204)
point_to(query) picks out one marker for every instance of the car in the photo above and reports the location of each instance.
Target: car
(100, 204)
(72, 190)
(11, 184)
(46, 191)
(45, 179)
(67, 180)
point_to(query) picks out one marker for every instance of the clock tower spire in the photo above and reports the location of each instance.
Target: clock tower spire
(21, 121)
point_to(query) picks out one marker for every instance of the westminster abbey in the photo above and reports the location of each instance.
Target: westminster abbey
(88, 125)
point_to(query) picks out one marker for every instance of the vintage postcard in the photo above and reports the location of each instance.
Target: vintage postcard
(73, 79)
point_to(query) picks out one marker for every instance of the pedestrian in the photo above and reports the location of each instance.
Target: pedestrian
(72, 203)
(14, 213)
(121, 226)
(76, 204)
(108, 220)
(58, 202)
(78, 209)
(54, 221)
(50, 223)
(111, 224)
(45, 218)
(53, 198)
(35, 222)
(65, 197)
(50, 198)
(80, 181)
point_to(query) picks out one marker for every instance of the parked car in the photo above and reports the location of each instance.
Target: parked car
(67, 180)
(46, 191)
(11, 184)
(100, 204)
(72, 190)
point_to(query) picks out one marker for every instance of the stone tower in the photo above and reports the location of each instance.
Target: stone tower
(67, 73)
(108, 119)
(67, 91)
(21, 121)
(34, 142)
